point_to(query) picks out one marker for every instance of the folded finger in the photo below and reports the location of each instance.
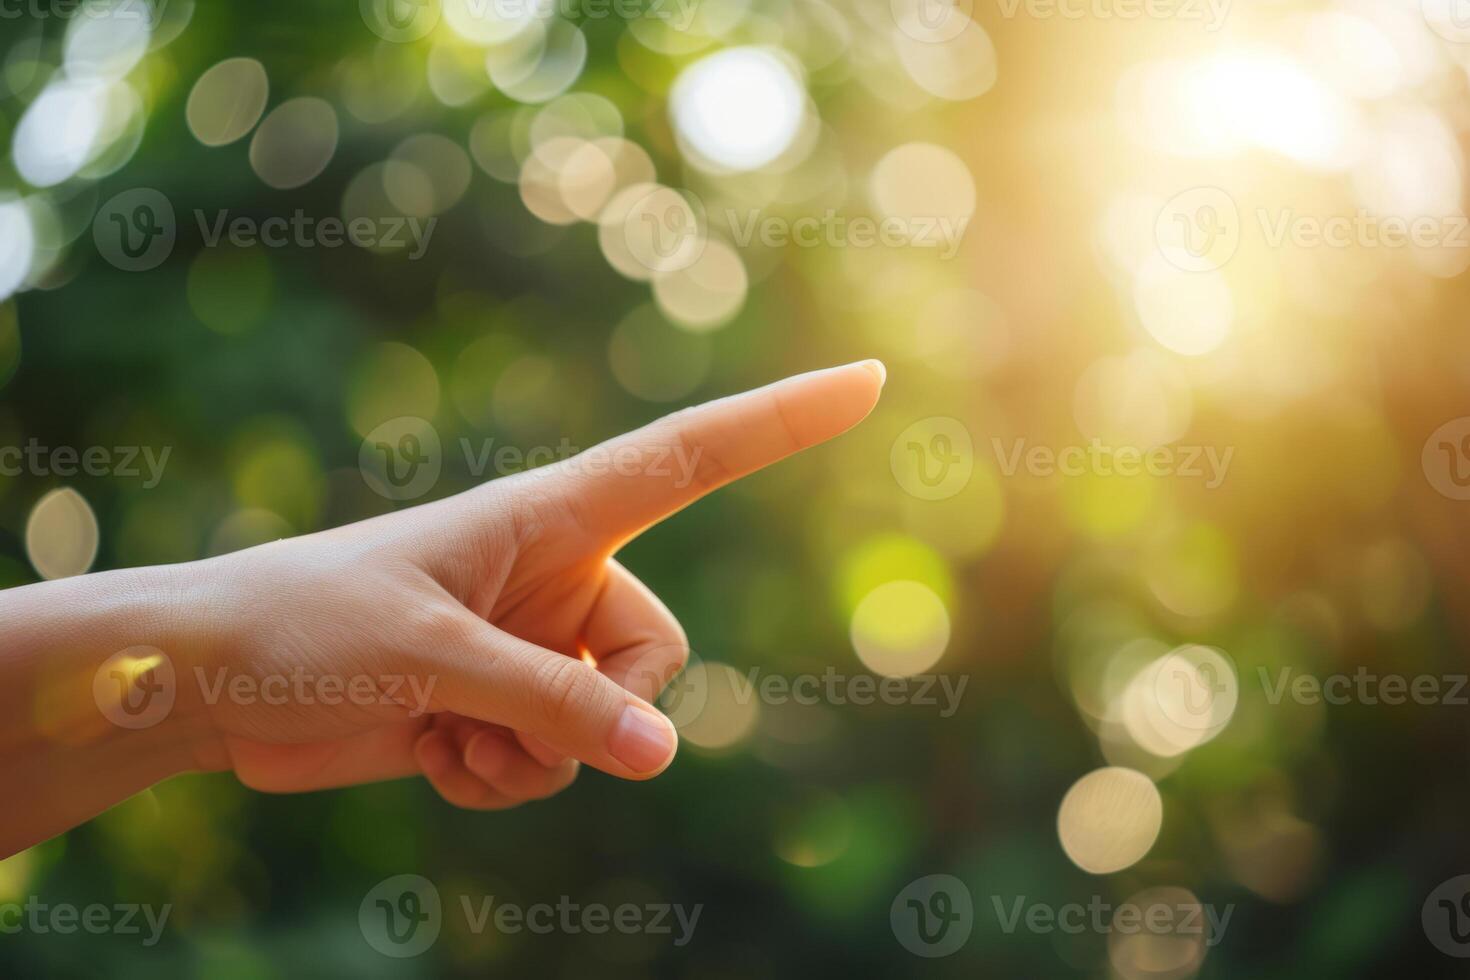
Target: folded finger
(498, 760)
(636, 641)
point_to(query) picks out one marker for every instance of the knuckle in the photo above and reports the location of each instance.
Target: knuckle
(565, 689)
(708, 470)
(445, 629)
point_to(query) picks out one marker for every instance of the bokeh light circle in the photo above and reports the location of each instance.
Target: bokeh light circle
(738, 109)
(1110, 819)
(62, 535)
(294, 143)
(227, 101)
(900, 629)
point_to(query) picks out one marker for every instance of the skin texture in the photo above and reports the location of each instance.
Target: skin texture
(500, 611)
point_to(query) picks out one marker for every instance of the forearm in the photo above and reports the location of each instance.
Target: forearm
(80, 729)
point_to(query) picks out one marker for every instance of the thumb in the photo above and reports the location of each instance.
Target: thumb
(499, 678)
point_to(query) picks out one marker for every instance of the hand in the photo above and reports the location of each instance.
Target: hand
(463, 624)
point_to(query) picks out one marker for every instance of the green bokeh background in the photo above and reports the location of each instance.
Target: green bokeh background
(249, 364)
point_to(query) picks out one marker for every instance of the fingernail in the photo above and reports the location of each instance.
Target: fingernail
(642, 741)
(878, 369)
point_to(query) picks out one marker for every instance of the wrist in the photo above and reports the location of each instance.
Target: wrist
(146, 688)
(103, 660)
(93, 704)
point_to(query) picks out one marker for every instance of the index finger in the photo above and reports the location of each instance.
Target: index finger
(622, 486)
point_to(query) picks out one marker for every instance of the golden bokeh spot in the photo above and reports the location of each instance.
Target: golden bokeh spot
(900, 629)
(730, 708)
(655, 360)
(1109, 505)
(62, 535)
(1172, 941)
(391, 380)
(227, 101)
(1110, 819)
(1193, 572)
(888, 558)
(275, 467)
(295, 142)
